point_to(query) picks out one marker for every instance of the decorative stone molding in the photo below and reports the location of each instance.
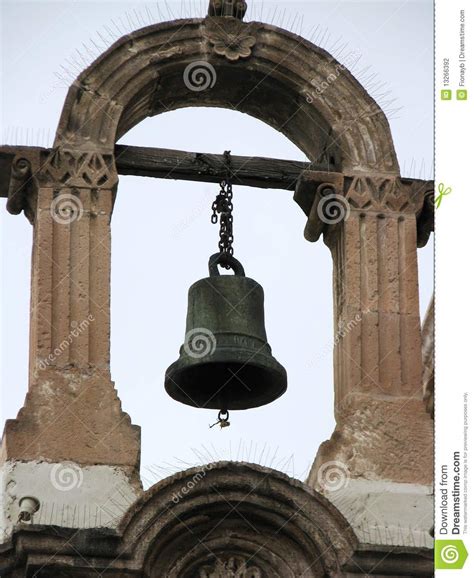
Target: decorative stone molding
(63, 170)
(78, 169)
(23, 188)
(19, 178)
(380, 194)
(230, 38)
(104, 103)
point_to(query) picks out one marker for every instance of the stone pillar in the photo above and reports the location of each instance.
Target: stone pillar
(383, 441)
(71, 445)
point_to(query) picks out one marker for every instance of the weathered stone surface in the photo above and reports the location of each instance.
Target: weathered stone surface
(428, 358)
(374, 192)
(353, 133)
(227, 8)
(69, 495)
(380, 438)
(387, 513)
(370, 224)
(73, 416)
(187, 523)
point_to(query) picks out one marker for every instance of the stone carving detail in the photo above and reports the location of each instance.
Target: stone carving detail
(375, 193)
(229, 8)
(79, 169)
(392, 194)
(232, 567)
(22, 190)
(230, 39)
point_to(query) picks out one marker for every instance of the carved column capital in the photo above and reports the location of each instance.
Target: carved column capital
(27, 169)
(329, 198)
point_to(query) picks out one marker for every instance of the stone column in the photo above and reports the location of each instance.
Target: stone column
(383, 441)
(71, 445)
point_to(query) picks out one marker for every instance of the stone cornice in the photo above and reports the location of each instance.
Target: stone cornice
(329, 198)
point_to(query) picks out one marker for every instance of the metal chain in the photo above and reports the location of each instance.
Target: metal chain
(224, 206)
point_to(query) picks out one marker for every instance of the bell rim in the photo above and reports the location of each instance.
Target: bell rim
(277, 370)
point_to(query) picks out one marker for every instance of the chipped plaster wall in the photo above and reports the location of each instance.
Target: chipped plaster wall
(70, 495)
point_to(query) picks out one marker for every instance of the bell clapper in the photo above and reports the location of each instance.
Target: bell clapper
(222, 419)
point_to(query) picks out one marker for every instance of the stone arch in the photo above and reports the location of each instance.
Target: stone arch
(267, 72)
(235, 515)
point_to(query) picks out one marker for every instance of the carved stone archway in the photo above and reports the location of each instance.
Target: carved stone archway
(240, 517)
(273, 79)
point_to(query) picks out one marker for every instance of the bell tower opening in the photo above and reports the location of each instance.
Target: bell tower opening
(181, 239)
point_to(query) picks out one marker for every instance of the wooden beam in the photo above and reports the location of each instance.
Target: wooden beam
(265, 173)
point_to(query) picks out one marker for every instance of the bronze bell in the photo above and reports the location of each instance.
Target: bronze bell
(225, 362)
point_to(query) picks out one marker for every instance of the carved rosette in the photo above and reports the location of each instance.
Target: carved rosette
(229, 38)
(329, 198)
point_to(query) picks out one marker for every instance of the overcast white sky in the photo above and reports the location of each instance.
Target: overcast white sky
(162, 235)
